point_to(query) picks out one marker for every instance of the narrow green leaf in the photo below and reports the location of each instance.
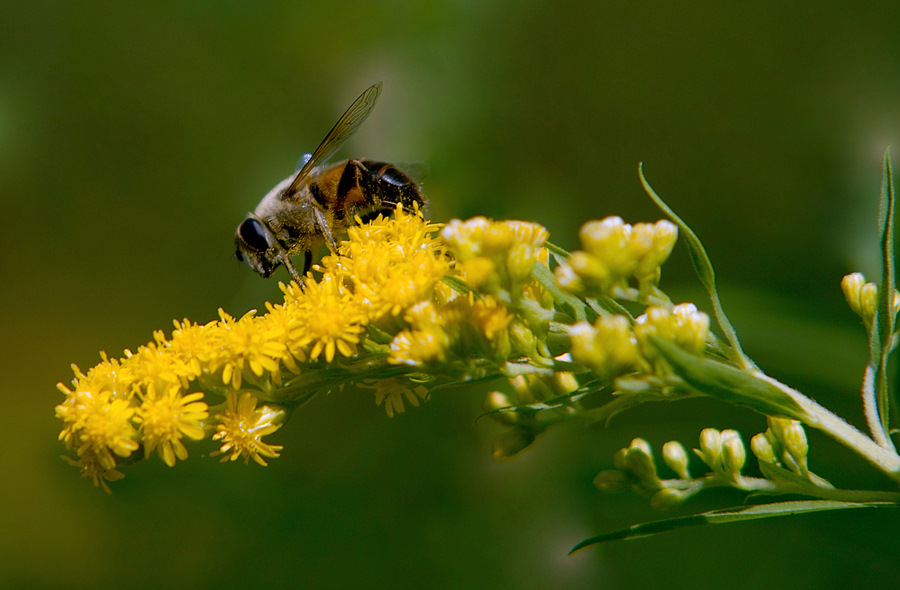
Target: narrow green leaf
(456, 283)
(729, 384)
(556, 250)
(704, 270)
(884, 318)
(550, 404)
(545, 277)
(602, 305)
(728, 515)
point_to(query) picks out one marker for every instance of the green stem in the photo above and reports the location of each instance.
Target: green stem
(870, 409)
(885, 459)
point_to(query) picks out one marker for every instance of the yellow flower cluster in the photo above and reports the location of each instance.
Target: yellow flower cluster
(495, 254)
(615, 252)
(494, 259)
(145, 399)
(395, 309)
(682, 324)
(608, 347)
(613, 345)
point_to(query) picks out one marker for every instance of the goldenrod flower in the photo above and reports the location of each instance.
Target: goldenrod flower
(191, 343)
(419, 347)
(326, 318)
(242, 426)
(97, 426)
(240, 348)
(165, 417)
(109, 376)
(156, 364)
(391, 392)
(390, 264)
(90, 467)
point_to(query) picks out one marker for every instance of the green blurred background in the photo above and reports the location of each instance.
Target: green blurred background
(134, 136)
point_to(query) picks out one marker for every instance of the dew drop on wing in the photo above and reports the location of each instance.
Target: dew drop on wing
(302, 162)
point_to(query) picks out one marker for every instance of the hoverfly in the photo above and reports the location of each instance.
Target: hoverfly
(319, 200)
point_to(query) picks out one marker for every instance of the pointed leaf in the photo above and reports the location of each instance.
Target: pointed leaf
(729, 384)
(704, 269)
(727, 515)
(563, 300)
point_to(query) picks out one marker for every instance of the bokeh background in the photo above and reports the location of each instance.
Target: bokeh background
(134, 137)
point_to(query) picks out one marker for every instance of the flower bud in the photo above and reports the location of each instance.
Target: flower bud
(601, 237)
(568, 279)
(564, 382)
(583, 343)
(762, 448)
(795, 443)
(520, 261)
(660, 238)
(676, 458)
(666, 498)
(733, 455)
(521, 339)
(592, 271)
(710, 447)
(851, 286)
(683, 325)
(639, 462)
(478, 271)
(868, 302)
(611, 480)
(641, 445)
(464, 237)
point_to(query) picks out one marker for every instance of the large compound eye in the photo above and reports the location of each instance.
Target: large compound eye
(253, 233)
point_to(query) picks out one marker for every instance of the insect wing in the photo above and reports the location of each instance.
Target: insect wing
(346, 126)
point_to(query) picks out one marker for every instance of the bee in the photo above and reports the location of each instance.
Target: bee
(319, 200)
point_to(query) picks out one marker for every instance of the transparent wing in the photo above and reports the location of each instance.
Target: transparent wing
(346, 126)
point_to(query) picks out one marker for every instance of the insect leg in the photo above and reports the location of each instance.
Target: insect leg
(323, 224)
(290, 266)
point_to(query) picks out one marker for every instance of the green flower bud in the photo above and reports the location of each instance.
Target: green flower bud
(564, 382)
(612, 480)
(522, 339)
(658, 240)
(762, 448)
(795, 443)
(868, 302)
(851, 286)
(641, 445)
(666, 498)
(639, 462)
(568, 279)
(733, 455)
(710, 447)
(676, 458)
